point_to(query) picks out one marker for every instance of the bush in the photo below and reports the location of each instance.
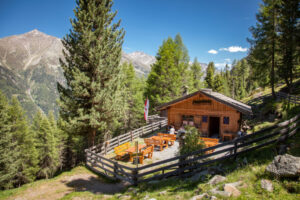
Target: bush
(192, 141)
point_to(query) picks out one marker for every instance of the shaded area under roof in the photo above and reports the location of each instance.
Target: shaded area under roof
(239, 106)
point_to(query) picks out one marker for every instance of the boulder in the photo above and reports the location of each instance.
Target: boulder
(216, 179)
(285, 166)
(232, 190)
(267, 185)
(201, 196)
(221, 193)
(213, 198)
(163, 193)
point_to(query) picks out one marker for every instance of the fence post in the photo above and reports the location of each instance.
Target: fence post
(159, 125)
(118, 141)
(131, 136)
(115, 169)
(106, 146)
(235, 148)
(135, 178)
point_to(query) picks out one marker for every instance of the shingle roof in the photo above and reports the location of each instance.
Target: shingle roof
(241, 107)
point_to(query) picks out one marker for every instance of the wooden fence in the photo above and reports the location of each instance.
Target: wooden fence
(109, 145)
(191, 163)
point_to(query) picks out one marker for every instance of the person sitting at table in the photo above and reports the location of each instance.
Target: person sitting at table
(172, 130)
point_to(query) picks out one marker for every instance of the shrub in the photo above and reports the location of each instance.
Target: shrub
(192, 141)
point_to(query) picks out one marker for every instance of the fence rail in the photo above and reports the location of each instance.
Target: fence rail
(189, 164)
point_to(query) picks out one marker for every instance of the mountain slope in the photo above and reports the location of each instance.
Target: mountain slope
(29, 69)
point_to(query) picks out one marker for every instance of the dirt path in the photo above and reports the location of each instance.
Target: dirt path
(58, 188)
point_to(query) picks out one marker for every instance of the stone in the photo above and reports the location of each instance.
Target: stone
(133, 190)
(232, 190)
(201, 196)
(267, 185)
(163, 193)
(282, 149)
(221, 193)
(199, 175)
(124, 197)
(236, 184)
(146, 197)
(152, 199)
(213, 198)
(285, 166)
(216, 179)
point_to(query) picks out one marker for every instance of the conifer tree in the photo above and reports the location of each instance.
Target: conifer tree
(90, 102)
(210, 73)
(218, 83)
(195, 76)
(133, 98)
(28, 158)
(164, 82)
(9, 150)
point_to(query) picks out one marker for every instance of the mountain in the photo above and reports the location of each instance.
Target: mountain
(30, 69)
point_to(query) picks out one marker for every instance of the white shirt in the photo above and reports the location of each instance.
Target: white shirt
(172, 130)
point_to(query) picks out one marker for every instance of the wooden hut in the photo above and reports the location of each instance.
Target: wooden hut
(214, 114)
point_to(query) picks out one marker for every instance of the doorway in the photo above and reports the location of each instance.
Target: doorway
(214, 127)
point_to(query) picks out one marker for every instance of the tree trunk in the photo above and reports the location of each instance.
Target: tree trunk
(91, 140)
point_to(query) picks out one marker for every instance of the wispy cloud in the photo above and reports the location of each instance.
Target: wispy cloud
(127, 48)
(227, 60)
(234, 49)
(222, 65)
(212, 51)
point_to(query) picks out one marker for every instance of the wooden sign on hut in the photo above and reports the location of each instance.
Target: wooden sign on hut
(214, 114)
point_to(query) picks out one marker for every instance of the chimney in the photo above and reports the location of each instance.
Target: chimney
(207, 90)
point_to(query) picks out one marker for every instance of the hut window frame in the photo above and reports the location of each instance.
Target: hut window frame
(202, 102)
(226, 120)
(205, 119)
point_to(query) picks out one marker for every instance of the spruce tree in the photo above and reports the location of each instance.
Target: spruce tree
(218, 83)
(9, 151)
(195, 76)
(27, 161)
(210, 73)
(164, 82)
(90, 101)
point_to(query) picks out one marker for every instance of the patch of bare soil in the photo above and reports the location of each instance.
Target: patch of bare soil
(57, 189)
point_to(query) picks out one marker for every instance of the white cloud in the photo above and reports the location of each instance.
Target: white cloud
(234, 49)
(222, 65)
(212, 51)
(227, 60)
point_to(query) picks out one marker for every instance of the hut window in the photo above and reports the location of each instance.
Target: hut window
(226, 120)
(204, 118)
(198, 102)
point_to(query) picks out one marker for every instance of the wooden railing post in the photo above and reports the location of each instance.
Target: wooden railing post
(131, 136)
(235, 148)
(135, 177)
(115, 169)
(118, 140)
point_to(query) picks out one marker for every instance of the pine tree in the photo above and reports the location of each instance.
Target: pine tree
(9, 150)
(195, 76)
(164, 82)
(218, 83)
(133, 98)
(264, 45)
(90, 102)
(210, 73)
(27, 162)
(289, 15)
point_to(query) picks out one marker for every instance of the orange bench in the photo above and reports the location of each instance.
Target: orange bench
(120, 151)
(172, 136)
(148, 152)
(210, 142)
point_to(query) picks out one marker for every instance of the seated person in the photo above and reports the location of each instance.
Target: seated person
(172, 130)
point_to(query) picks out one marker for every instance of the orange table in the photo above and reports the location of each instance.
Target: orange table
(165, 139)
(132, 150)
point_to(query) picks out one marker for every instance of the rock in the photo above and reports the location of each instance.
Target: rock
(199, 175)
(285, 166)
(282, 149)
(267, 185)
(216, 179)
(218, 192)
(146, 197)
(235, 184)
(163, 193)
(201, 196)
(213, 198)
(152, 199)
(215, 170)
(232, 190)
(133, 190)
(124, 197)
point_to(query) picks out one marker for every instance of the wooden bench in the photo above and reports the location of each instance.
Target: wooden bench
(172, 136)
(152, 142)
(210, 142)
(120, 151)
(148, 152)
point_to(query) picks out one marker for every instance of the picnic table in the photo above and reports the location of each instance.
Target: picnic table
(132, 150)
(165, 140)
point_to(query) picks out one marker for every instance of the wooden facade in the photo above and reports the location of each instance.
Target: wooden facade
(212, 117)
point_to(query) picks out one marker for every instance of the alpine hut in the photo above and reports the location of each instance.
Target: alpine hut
(214, 114)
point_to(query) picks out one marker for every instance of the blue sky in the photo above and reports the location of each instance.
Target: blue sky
(212, 30)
